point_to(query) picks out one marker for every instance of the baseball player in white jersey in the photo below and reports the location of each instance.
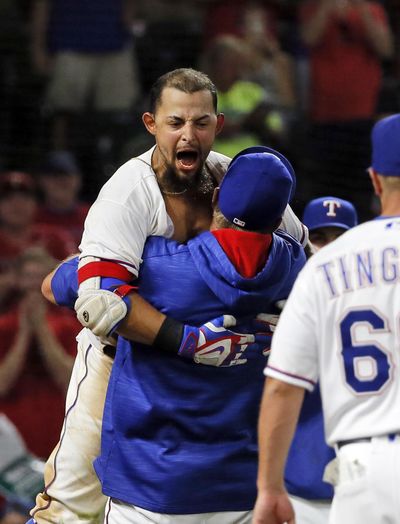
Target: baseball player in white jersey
(341, 326)
(326, 218)
(166, 191)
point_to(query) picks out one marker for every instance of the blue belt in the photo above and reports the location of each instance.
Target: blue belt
(341, 443)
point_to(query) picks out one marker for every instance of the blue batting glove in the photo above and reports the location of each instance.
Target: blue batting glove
(213, 344)
(263, 327)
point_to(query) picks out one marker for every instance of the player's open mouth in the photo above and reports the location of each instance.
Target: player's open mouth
(187, 159)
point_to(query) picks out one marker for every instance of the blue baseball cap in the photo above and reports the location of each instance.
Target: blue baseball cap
(385, 138)
(329, 211)
(255, 189)
(285, 161)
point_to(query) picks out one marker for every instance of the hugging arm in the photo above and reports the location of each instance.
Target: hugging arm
(214, 343)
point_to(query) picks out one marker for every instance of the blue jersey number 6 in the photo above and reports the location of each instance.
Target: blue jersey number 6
(352, 351)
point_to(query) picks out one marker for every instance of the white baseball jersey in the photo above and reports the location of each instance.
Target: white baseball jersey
(130, 208)
(341, 326)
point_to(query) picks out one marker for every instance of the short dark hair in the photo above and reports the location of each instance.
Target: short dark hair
(184, 79)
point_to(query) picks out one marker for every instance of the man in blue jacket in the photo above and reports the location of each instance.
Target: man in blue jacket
(179, 439)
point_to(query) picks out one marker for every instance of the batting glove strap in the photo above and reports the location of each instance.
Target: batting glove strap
(169, 336)
(123, 291)
(101, 311)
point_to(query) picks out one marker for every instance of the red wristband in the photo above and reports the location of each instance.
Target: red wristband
(124, 290)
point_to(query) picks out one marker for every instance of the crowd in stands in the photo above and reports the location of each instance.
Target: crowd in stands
(308, 78)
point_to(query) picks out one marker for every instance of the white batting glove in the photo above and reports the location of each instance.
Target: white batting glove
(100, 310)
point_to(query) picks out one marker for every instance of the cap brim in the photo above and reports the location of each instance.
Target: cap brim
(330, 224)
(284, 160)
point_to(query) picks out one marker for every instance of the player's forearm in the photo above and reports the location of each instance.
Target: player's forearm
(46, 288)
(12, 364)
(40, 15)
(56, 359)
(313, 29)
(130, 10)
(378, 34)
(47, 292)
(279, 412)
(143, 321)
(285, 79)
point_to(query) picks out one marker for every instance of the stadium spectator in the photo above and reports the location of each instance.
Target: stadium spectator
(37, 344)
(257, 23)
(86, 50)
(245, 104)
(327, 218)
(176, 27)
(60, 182)
(12, 516)
(347, 41)
(225, 17)
(21, 475)
(18, 205)
(10, 75)
(271, 67)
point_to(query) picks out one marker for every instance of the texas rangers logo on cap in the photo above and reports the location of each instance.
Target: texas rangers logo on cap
(331, 206)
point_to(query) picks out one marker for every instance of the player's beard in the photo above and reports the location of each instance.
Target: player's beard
(200, 182)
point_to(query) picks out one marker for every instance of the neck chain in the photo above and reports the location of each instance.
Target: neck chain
(173, 192)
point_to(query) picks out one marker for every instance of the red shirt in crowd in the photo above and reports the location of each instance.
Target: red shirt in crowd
(56, 241)
(345, 70)
(71, 221)
(35, 404)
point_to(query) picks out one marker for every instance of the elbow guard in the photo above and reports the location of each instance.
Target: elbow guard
(102, 302)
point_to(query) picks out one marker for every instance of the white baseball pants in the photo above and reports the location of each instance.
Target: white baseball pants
(367, 490)
(73, 492)
(117, 512)
(310, 511)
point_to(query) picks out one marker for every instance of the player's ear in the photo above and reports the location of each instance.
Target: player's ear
(215, 197)
(220, 123)
(376, 183)
(149, 122)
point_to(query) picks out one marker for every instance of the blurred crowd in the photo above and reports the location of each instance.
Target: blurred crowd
(307, 77)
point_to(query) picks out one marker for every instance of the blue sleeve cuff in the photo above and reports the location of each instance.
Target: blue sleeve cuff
(64, 283)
